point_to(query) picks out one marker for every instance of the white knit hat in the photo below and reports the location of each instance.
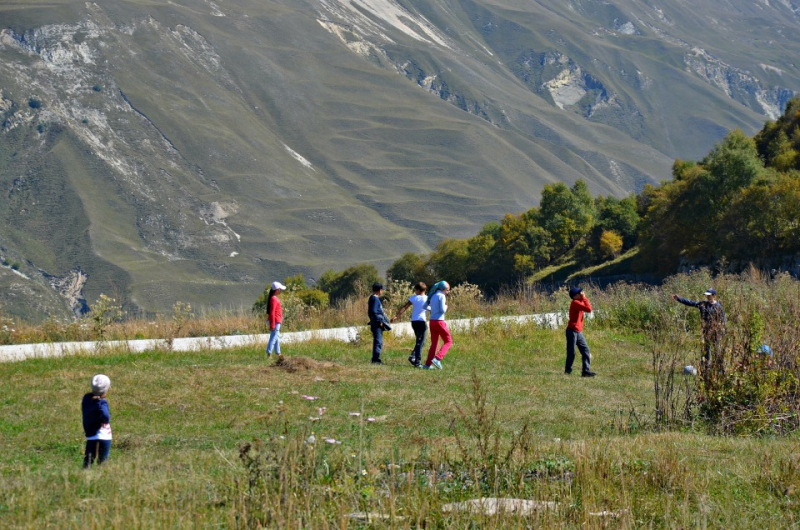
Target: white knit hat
(100, 384)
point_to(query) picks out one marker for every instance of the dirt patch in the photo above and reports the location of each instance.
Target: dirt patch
(297, 364)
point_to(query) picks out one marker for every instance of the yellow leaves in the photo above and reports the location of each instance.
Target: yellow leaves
(610, 243)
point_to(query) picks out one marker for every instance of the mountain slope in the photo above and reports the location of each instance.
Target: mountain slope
(195, 151)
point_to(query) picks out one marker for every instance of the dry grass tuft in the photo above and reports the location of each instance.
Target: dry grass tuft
(295, 364)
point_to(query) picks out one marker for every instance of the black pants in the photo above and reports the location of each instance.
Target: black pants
(420, 330)
(377, 341)
(96, 450)
(576, 338)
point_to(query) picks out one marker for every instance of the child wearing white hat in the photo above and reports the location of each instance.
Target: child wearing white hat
(97, 421)
(275, 314)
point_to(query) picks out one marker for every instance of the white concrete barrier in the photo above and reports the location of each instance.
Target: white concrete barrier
(20, 352)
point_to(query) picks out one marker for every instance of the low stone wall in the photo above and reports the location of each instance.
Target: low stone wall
(20, 352)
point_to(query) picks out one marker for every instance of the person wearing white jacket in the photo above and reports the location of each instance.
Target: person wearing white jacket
(437, 300)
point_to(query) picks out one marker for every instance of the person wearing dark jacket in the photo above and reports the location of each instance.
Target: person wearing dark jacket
(712, 318)
(96, 422)
(377, 322)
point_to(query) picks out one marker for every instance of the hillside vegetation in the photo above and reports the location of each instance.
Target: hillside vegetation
(163, 151)
(738, 206)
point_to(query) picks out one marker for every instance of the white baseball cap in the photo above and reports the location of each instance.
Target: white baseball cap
(278, 285)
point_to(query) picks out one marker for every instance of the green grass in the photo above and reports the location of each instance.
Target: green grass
(179, 422)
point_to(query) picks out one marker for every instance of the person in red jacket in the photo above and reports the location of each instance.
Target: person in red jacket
(275, 313)
(580, 305)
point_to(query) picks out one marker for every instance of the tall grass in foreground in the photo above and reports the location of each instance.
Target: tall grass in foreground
(224, 440)
(744, 390)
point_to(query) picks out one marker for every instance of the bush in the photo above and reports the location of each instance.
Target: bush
(743, 391)
(313, 298)
(466, 300)
(356, 280)
(633, 307)
(410, 268)
(34, 103)
(105, 311)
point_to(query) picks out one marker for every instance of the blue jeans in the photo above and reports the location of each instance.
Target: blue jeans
(377, 341)
(576, 338)
(420, 329)
(96, 450)
(274, 344)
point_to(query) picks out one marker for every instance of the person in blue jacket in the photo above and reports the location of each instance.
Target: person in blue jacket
(378, 322)
(97, 422)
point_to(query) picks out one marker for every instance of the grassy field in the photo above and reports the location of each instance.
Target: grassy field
(220, 440)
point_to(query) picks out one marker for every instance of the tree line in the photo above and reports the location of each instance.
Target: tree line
(739, 205)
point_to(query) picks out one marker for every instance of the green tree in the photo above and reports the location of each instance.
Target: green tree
(481, 249)
(451, 261)
(620, 216)
(355, 280)
(410, 268)
(295, 283)
(778, 143)
(733, 164)
(567, 214)
(763, 222)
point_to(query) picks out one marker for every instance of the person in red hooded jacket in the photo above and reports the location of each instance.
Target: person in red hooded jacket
(580, 305)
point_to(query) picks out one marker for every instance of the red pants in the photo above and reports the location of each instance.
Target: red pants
(439, 329)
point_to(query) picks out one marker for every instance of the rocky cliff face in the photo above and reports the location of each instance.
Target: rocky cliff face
(196, 152)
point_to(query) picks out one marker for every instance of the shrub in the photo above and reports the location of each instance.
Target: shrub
(34, 103)
(466, 299)
(104, 312)
(7, 330)
(633, 307)
(743, 391)
(356, 280)
(313, 298)
(396, 295)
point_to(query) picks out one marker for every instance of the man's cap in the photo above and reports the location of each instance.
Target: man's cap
(278, 285)
(710, 292)
(575, 290)
(377, 286)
